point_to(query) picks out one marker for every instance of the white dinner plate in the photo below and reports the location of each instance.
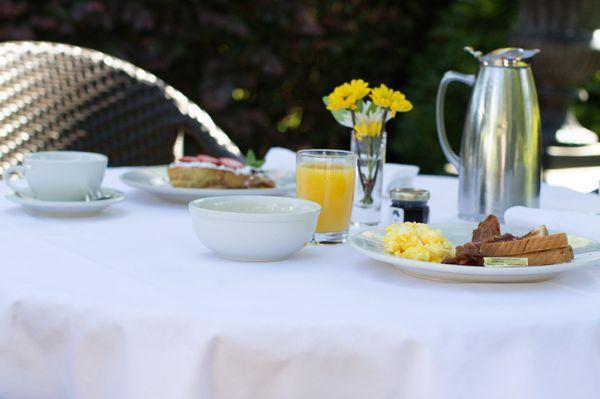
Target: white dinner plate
(370, 243)
(154, 179)
(68, 208)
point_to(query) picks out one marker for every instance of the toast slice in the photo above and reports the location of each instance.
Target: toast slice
(538, 232)
(549, 257)
(525, 245)
(538, 246)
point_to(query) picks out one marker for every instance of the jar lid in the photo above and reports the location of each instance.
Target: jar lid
(409, 194)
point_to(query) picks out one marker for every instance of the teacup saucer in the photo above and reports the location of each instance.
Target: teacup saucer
(68, 208)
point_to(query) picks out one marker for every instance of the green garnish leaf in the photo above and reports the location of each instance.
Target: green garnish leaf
(252, 161)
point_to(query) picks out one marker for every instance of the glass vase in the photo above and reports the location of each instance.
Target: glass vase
(370, 152)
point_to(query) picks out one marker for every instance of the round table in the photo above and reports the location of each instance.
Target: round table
(129, 304)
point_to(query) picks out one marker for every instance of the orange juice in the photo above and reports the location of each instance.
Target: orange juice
(332, 187)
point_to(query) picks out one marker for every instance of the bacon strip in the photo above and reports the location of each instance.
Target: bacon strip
(469, 254)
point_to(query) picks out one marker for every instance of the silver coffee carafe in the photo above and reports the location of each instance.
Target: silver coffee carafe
(500, 155)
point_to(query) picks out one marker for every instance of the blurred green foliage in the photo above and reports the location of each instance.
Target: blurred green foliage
(260, 68)
(588, 111)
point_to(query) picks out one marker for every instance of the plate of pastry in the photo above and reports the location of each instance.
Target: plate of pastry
(201, 176)
(486, 253)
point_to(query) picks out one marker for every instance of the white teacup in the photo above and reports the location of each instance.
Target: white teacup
(60, 175)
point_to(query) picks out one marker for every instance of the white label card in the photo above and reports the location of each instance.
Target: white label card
(505, 262)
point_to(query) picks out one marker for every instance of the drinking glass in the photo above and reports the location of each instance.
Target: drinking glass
(327, 178)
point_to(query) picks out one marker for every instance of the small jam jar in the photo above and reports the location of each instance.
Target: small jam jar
(409, 205)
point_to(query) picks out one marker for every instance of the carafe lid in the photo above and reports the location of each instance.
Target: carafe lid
(504, 57)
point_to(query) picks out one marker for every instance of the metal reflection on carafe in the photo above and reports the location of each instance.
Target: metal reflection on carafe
(500, 155)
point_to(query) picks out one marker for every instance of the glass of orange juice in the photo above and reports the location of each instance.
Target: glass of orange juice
(327, 178)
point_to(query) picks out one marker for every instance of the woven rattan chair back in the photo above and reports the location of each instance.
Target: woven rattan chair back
(61, 97)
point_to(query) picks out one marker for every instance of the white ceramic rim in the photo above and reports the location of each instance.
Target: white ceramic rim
(281, 217)
(140, 178)
(79, 156)
(326, 153)
(118, 196)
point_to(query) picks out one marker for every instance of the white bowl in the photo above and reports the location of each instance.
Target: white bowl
(254, 228)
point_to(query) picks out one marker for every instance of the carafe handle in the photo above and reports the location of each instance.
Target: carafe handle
(449, 77)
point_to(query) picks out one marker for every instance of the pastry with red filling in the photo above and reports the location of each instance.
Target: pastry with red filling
(204, 171)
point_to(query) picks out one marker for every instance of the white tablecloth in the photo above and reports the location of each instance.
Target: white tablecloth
(129, 304)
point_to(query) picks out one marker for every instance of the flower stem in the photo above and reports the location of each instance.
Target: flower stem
(361, 176)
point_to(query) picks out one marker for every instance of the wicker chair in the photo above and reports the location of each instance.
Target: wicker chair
(61, 97)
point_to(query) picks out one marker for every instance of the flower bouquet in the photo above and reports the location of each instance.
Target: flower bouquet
(366, 110)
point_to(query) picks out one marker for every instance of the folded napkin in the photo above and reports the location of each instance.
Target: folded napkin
(579, 223)
(281, 159)
(394, 176)
(398, 176)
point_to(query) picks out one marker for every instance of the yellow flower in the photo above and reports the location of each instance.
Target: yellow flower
(359, 88)
(395, 101)
(346, 95)
(367, 129)
(367, 124)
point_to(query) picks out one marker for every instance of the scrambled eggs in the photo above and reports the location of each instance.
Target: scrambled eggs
(416, 241)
